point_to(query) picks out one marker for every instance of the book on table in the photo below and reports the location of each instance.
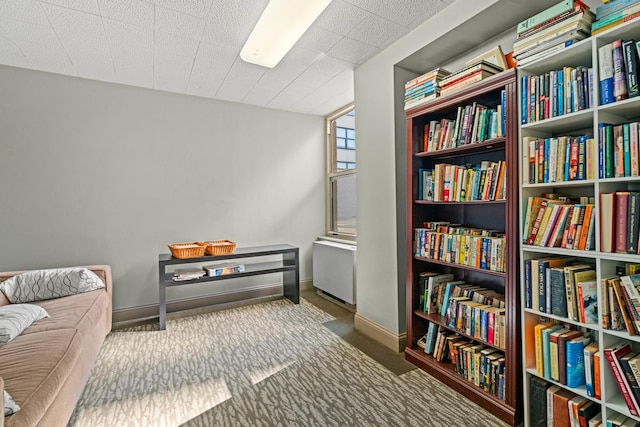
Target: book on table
(223, 269)
(188, 273)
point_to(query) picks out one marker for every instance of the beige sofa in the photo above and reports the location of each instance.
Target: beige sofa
(46, 367)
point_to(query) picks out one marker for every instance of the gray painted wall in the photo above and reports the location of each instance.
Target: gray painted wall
(93, 172)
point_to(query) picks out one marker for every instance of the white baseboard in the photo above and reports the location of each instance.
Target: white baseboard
(395, 342)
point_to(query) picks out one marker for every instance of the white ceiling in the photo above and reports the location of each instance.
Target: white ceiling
(192, 46)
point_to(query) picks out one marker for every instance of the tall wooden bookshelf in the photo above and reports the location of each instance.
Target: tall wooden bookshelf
(584, 53)
(488, 214)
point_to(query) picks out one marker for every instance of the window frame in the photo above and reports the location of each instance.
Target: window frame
(330, 173)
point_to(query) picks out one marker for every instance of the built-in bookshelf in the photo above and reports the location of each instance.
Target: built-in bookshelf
(579, 226)
(462, 255)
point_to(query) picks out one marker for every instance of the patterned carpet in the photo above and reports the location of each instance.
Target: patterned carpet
(269, 364)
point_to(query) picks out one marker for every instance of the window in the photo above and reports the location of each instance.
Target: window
(341, 174)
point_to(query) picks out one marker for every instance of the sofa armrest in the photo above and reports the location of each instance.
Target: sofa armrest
(2, 401)
(104, 272)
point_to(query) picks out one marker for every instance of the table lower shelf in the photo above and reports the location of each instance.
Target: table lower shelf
(250, 269)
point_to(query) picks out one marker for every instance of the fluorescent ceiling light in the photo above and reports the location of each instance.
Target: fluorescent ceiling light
(282, 23)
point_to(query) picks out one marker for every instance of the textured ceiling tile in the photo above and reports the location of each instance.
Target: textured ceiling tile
(172, 73)
(276, 79)
(80, 33)
(180, 24)
(401, 12)
(232, 22)
(46, 58)
(172, 45)
(239, 81)
(190, 7)
(315, 76)
(123, 36)
(375, 31)
(90, 6)
(21, 30)
(318, 39)
(342, 83)
(24, 10)
(10, 54)
(340, 17)
(135, 12)
(395, 37)
(352, 51)
(212, 65)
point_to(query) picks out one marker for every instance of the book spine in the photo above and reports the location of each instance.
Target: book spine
(619, 79)
(621, 381)
(631, 66)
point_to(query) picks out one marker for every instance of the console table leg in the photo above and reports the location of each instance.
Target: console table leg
(162, 305)
(291, 279)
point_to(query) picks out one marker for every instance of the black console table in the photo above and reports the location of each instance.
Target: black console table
(289, 266)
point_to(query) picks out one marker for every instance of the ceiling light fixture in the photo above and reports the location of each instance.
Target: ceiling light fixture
(281, 25)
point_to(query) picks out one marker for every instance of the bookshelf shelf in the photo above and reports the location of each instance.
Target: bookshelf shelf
(498, 215)
(478, 147)
(440, 321)
(606, 265)
(473, 202)
(581, 391)
(461, 266)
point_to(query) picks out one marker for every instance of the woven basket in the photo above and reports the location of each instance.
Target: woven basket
(187, 249)
(220, 247)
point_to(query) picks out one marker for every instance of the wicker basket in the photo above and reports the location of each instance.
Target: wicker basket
(187, 249)
(220, 247)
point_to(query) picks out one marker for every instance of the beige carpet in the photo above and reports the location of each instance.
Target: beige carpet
(269, 364)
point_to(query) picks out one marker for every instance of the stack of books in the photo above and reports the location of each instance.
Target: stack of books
(224, 269)
(191, 273)
(423, 88)
(613, 13)
(551, 31)
(470, 74)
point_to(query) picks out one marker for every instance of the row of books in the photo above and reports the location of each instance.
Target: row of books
(557, 159)
(563, 287)
(436, 290)
(481, 365)
(618, 70)
(423, 88)
(621, 232)
(566, 355)
(560, 221)
(477, 319)
(551, 31)
(191, 273)
(473, 123)
(556, 93)
(470, 74)
(486, 253)
(621, 303)
(614, 13)
(456, 183)
(552, 405)
(618, 151)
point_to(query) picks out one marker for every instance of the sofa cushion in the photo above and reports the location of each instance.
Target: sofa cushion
(84, 311)
(15, 318)
(39, 285)
(10, 406)
(34, 382)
